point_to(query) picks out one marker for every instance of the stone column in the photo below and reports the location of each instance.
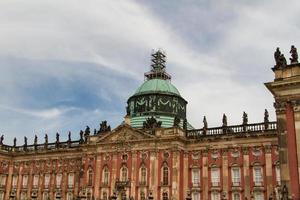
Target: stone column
(134, 170)
(185, 172)
(205, 174)
(153, 179)
(9, 181)
(268, 157)
(19, 183)
(225, 171)
(297, 127)
(246, 168)
(176, 174)
(113, 171)
(97, 176)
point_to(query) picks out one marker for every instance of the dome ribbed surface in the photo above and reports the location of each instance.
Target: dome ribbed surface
(157, 85)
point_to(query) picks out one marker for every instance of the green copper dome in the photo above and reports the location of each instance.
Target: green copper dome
(157, 100)
(157, 86)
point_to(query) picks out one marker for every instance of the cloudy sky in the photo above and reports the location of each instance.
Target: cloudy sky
(67, 64)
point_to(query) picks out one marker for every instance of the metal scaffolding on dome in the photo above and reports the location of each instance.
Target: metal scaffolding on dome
(158, 67)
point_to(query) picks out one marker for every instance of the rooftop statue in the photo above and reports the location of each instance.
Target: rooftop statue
(35, 140)
(87, 130)
(266, 117)
(25, 142)
(1, 139)
(245, 118)
(224, 120)
(15, 142)
(86, 133)
(204, 123)
(277, 54)
(294, 54)
(57, 137)
(46, 139)
(104, 127)
(81, 136)
(279, 59)
(176, 121)
(69, 136)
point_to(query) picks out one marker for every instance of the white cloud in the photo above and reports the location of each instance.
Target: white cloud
(119, 35)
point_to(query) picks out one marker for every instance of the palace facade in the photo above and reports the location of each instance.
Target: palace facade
(157, 154)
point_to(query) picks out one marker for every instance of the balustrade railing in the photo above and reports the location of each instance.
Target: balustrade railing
(236, 129)
(40, 147)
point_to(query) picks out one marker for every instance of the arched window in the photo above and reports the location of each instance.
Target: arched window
(90, 177)
(165, 196)
(143, 196)
(105, 175)
(165, 175)
(124, 173)
(143, 175)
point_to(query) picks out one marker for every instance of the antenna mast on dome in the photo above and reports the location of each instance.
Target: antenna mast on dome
(158, 67)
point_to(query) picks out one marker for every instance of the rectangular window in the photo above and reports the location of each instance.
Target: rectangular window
(236, 196)
(2, 180)
(58, 180)
(1, 195)
(195, 177)
(35, 180)
(71, 180)
(277, 173)
(25, 181)
(236, 176)
(14, 181)
(215, 196)
(257, 176)
(215, 176)
(196, 196)
(47, 180)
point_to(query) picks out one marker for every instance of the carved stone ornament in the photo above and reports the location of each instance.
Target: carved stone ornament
(195, 155)
(166, 155)
(235, 154)
(151, 123)
(268, 148)
(144, 156)
(245, 150)
(215, 154)
(256, 152)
